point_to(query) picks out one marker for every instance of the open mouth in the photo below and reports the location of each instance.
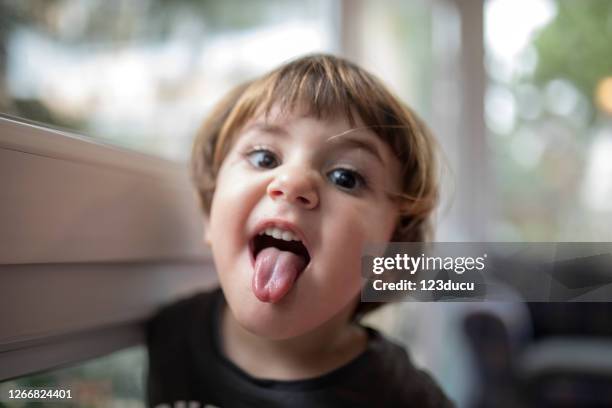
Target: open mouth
(279, 257)
(262, 241)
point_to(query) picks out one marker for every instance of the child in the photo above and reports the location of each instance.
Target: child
(296, 172)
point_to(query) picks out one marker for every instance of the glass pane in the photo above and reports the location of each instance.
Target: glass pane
(142, 74)
(395, 40)
(116, 380)
(549, 115)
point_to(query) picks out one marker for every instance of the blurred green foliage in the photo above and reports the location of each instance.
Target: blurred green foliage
(113, 380)
(576, 45)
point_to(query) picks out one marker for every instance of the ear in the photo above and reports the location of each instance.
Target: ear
(206, 232)
(205, 220)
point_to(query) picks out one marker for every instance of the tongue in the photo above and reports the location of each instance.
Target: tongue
(275, 273)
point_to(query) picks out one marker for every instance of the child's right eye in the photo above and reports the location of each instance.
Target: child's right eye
(262, 158)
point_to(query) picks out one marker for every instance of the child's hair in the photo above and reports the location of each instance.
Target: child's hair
(327, 85)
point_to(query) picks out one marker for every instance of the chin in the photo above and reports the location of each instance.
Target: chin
(270, 321)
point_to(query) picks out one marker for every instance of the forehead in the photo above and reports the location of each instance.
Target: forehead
(332, 132)
(331, 127)
(287, 115)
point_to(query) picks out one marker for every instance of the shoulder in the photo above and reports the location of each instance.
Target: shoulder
(173, 321)
(170, 334)
(402, 382)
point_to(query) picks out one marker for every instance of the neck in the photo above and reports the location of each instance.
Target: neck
(329, 346)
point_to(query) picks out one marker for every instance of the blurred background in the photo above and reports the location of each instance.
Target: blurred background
(518, 92)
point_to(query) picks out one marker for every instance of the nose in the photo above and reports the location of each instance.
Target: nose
(296, 186)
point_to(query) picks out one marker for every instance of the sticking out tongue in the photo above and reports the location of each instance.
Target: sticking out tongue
(275, 273)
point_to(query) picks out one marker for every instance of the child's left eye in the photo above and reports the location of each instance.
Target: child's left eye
(262, 158)
(346, 179)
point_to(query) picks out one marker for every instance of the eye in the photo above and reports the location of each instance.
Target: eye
(346, 179)
(262, 158)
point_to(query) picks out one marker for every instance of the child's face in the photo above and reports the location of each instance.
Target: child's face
(329, 188)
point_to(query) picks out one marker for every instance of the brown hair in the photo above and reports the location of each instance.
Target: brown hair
(328, 85)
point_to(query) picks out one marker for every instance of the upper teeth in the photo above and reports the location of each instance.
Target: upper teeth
(279, 234)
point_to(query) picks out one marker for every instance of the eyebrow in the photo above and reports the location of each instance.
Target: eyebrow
(345, 138)
(355, 141)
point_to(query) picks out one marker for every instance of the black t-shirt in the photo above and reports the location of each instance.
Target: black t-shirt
(186, 364)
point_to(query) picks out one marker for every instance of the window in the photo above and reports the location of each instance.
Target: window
(142, 74)
(549, 119)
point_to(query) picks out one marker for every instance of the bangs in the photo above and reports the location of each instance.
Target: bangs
(316, 87)
(323, 86)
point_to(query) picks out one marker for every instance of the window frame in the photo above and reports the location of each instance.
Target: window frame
(94, 238)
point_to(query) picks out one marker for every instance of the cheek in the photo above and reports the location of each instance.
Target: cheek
(352, 226)
(230, 205)
(360, 222)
